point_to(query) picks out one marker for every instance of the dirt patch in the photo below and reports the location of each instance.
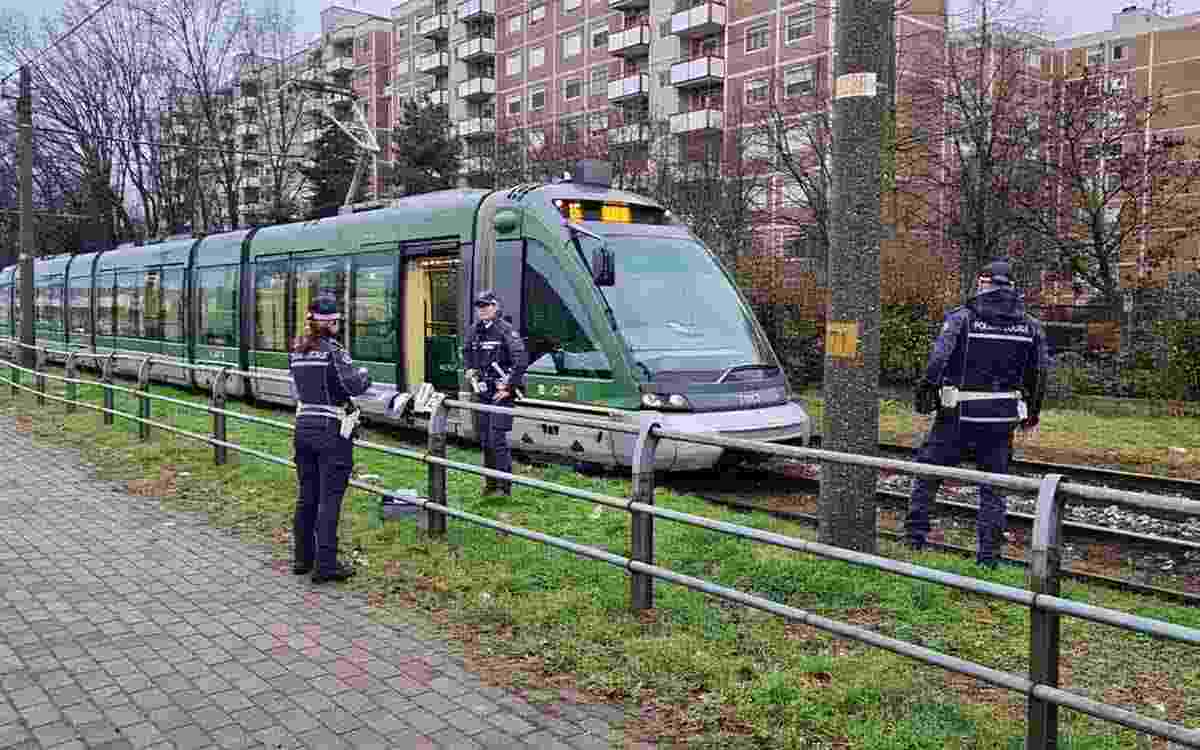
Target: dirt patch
(164, 486)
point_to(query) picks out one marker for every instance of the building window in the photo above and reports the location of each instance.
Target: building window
(800, 25)
(756, 91)
(1095, 56)
(537, 57)
(1118, 52)
(597, 123)
(514, 64)
(572, 89)
(537, 98)
(664, 78)
(402, 67)
(756, 37)
(537, 137)
(600, 37)
(569, 6)
(515, 24)
(664, 29)
(798, 81)
(569, 130)
(600, 81)
(536, 14)
(572, 44)
(514, 104)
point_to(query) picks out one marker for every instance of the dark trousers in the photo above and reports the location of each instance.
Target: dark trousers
(493, 437)
(947, 441)
(324, 460)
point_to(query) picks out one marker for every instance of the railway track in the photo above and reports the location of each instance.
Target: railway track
(744, 490)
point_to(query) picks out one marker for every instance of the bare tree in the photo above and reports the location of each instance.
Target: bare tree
(971, 145)
(201, 38)
(1113, 187)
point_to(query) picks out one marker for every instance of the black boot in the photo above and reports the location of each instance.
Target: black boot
(342, 572)
(504, 488)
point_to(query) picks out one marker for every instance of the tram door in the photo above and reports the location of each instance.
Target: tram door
(432, 344)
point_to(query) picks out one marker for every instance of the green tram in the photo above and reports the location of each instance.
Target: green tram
(625, 314)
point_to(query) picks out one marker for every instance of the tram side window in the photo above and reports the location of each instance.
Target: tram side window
(48, 303)
(5, 303)
(129, 304)
(152, 305)
(561, 340)
(106, 297)
(323, 276)
(79, 302)
(218, 306)
(172, 305)
(374, 308)
(270, 307)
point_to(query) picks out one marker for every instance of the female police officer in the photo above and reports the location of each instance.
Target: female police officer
(323, 383)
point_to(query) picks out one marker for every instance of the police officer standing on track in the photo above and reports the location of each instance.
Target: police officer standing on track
(323, 382)
(495, 358)
(985, 377)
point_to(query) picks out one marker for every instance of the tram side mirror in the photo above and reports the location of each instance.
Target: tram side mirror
(604, 266)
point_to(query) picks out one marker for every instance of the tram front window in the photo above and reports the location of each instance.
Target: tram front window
(680, 314)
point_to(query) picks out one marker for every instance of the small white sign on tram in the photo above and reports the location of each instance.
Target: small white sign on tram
(856, 84)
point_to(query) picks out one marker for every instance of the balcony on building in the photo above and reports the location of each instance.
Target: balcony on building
(702, 71)
(629, 87)
(477, 127)
(246, 130)
(479, 48)
(634, 134)
(251, 181)
(250, 207)
(339, 64)
(477, 89)
(699, 20)
(436, 26)
(438, 97)
(433, 63)
(628, 4)
(247, 102)
(480, 9)
(632, 42)
(342, 35)
(179, 130)
(696, 121)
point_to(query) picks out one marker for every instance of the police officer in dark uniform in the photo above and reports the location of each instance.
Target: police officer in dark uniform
(323, 382)
(985, 377)
(494, 355)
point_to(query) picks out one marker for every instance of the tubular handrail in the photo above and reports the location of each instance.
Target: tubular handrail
(1039, 686)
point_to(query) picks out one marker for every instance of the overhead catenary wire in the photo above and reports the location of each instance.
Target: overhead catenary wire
(59, 40)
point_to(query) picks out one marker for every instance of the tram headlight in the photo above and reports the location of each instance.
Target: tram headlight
(666, 401)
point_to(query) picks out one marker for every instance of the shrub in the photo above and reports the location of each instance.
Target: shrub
(1181, 376)
(905, 339)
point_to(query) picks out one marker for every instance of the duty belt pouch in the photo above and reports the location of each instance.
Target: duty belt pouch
(947, 402)
(349, 423)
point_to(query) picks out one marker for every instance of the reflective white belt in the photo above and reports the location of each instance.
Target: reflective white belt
(952, 397)
(320, 410)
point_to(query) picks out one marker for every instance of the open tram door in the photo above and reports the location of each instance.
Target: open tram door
(432, 340)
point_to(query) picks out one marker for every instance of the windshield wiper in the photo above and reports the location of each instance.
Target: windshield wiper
(737, 368)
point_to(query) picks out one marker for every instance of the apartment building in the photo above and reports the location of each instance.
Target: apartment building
(1155, 55)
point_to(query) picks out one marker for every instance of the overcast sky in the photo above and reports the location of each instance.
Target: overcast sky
(1063, 17)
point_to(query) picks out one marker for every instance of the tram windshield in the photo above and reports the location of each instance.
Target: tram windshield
(680, 314)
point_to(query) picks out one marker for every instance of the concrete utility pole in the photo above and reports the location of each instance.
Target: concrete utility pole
(847, 503)
(25, 192)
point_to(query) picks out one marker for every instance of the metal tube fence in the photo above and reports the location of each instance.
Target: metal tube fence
(1040, 686)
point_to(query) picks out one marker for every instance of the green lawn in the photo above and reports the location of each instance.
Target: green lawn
(695, 670)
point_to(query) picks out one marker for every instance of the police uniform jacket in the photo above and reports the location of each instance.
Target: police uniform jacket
(991, 345)
(326, 376)
(496, 341)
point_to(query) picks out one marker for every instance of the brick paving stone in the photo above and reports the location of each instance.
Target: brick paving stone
(126, 625)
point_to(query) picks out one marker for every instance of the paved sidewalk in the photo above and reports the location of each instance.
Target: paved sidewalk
(123, 625)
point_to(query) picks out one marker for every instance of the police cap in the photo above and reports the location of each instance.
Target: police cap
(997, 272)
(486, 297)
(324, 308)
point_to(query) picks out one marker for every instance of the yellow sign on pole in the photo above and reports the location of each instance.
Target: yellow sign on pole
(841, 339)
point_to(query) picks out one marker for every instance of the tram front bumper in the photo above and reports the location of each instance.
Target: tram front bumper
(782, 423)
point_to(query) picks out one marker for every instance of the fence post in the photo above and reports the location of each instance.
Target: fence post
(72, 387)
(143, 401)
(218, 402)
(1045, 557)
(439, 414)
(641, 528)
(39, 367)
(106, 378)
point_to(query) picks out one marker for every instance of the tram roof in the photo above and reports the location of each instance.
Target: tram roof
(438, 215)
(53, 266)
(6, 275)
(221, 249)
(126, 257)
